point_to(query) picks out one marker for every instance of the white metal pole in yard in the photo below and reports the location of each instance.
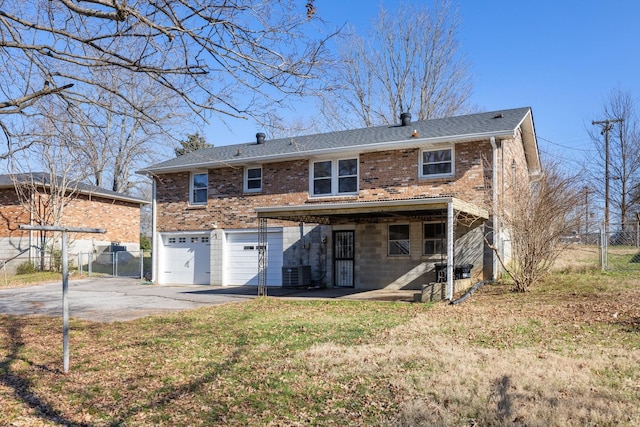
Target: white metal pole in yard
(65, 304)
(141, 264)
(65, 279)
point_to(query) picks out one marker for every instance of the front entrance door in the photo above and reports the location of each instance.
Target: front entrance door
(343, 258)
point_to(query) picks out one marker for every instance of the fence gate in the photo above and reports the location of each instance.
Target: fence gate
(620, 249)
(119, 264)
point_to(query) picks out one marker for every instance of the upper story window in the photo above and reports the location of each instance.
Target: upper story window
(435, 237)
(436, 163)
(253, 179)
(334, 177)
(199, 188)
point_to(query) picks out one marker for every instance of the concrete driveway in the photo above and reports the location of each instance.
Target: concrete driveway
(116, 299)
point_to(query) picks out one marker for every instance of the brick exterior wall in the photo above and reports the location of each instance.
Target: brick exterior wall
(12, 214)
(120, 219)
(382, 176)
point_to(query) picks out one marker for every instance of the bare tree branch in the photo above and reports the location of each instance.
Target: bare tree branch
(537, 215)
(409, 62)
(624, 156)
(209, 55)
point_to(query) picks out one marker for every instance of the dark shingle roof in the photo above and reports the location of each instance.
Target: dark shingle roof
(501, 123)
(44, 179)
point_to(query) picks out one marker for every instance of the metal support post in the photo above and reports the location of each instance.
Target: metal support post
(65, 304)
(65, 279)
(262, 257)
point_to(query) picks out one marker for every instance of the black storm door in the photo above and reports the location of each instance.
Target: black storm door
(343, 258)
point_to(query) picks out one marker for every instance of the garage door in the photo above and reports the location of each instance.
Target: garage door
(241, 262)
(186, 259)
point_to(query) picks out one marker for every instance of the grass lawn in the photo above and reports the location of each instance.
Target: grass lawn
(38, 278)
(567, 353)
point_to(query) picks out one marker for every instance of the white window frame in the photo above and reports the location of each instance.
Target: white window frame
(390, 242)
(335, 178)
(193, 189)
(438, 175)
(436, 239)
(247, 179)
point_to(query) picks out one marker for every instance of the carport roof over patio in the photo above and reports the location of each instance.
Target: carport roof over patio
(333, 212)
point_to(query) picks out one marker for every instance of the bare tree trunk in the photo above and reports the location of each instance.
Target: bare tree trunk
(410, 62)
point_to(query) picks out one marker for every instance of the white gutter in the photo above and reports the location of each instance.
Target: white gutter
(494, 207)
(381, 146)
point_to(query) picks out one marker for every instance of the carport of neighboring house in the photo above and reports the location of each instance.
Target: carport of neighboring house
(227, 257)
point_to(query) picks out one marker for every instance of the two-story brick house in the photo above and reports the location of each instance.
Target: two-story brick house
(383, 207)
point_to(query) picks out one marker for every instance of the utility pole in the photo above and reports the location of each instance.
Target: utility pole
(607, 125)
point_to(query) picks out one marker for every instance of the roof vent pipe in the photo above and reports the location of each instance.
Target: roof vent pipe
(405, 119)
(260, 137)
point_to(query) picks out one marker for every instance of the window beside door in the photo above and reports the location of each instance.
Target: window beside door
(399, 240)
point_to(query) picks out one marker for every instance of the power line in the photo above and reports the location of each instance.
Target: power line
(566, 146)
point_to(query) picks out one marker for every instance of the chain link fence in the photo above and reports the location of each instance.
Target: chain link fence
(120, 264)
(620, 249)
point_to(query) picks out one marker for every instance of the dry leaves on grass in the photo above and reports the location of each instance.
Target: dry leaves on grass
(554, 356)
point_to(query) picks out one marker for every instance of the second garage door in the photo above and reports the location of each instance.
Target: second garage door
(241, 262)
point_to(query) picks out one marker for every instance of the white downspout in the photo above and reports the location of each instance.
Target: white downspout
(32, 252)
(496, 226)
(450, 259)
(154, 235)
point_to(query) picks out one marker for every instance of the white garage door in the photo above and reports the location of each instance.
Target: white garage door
(186, 259)
(241, 262)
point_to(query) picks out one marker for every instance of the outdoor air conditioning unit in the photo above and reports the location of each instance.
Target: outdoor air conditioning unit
(296, 275)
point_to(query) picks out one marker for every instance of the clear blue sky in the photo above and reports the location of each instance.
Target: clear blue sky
(562, 58)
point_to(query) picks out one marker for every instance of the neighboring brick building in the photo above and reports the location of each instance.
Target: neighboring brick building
(382, 207)
(86, 206)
